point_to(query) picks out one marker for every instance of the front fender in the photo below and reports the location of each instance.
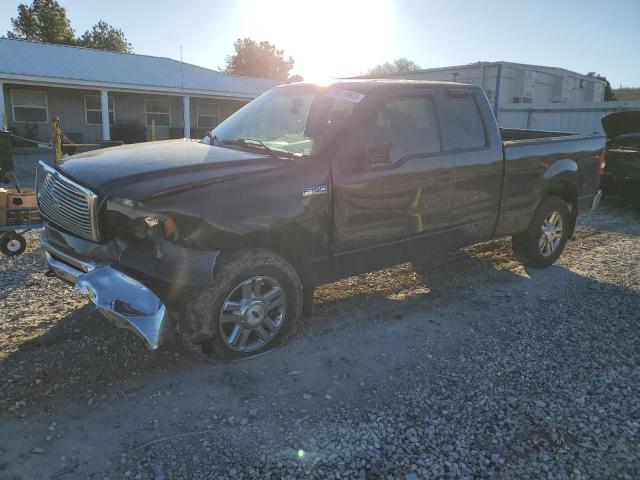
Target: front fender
(268, 211)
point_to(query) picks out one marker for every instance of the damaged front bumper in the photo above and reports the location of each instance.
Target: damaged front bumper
(117, 275)
(124, 300)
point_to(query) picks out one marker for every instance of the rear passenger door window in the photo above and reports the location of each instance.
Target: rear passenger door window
(461, 125)
(405, 126)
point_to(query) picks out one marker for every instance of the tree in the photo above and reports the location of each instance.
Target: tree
(399, 65)
(609, 96)
(45, 21)
(105, 37)
(253, 59)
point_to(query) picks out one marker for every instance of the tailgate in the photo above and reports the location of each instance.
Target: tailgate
(622, 173)
(623, 163)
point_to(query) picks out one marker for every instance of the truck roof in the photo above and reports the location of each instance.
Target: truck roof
(367, 85)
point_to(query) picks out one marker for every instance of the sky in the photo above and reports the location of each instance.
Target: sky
(334, 38)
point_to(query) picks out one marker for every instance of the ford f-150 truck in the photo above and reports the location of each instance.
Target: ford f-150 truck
(226, 238)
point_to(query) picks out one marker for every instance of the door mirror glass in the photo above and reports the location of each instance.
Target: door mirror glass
(378, 156)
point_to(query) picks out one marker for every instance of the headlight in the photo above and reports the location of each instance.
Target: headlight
(128, 217)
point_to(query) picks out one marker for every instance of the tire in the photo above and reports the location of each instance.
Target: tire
(12, 244)
(256, 304)
(542, 243)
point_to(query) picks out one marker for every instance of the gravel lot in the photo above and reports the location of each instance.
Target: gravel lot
(469, 366)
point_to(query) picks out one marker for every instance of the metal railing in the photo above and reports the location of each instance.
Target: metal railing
(59, 140)
(568, 117)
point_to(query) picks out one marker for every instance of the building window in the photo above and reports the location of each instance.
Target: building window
(159, 110)
(208, 114)
(29, 106)
(93, 110)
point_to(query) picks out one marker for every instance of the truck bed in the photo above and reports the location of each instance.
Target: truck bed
(531, 156)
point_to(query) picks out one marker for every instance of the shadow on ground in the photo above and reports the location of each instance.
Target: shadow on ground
(85, 357)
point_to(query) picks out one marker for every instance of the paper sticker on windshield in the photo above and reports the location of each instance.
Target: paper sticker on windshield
(347, 95)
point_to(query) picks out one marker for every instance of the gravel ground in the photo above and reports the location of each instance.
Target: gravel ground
(469, 366)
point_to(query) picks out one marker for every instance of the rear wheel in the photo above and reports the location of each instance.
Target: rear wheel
(255, 304)
(543, 242)
(12, 244)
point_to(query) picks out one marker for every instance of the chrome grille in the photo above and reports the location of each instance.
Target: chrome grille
(65, 203)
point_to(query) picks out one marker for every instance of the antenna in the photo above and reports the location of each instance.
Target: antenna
(181, 70)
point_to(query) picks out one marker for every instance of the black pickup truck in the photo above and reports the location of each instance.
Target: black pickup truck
(226, 238)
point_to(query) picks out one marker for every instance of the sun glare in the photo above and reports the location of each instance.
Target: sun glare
(327, 38)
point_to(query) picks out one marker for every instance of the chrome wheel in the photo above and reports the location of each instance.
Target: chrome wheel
(550, 234)
(253, 314)
(14, 245)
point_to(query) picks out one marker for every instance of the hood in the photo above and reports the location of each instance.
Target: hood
(621, 123)
(144, 170)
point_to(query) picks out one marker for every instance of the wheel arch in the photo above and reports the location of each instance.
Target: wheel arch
(561, 180)
(289, 245)
(564, 189)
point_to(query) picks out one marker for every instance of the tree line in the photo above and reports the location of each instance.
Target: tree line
(46, 21)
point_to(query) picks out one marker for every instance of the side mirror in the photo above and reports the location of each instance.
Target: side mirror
(378, 156)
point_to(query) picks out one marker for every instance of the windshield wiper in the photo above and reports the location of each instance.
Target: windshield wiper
(253, 143)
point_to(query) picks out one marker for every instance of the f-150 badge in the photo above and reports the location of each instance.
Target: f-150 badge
(317, 190)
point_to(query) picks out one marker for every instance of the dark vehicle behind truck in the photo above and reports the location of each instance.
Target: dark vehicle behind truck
(226, 238)
(622, 174)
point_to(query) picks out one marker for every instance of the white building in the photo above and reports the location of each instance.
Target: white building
(91, 91)
(516, 82)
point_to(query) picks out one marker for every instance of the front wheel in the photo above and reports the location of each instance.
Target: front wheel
(255, 304)
(543, 242)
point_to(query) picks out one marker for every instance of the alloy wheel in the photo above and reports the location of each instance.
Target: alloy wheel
(253, 314)
(550, 234)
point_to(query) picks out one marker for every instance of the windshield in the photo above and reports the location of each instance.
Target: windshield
(297, 120)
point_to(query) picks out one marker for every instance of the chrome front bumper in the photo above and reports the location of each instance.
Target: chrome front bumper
(126, 301)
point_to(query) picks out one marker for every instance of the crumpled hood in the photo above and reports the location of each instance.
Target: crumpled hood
(149, 169)
(621, 123)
